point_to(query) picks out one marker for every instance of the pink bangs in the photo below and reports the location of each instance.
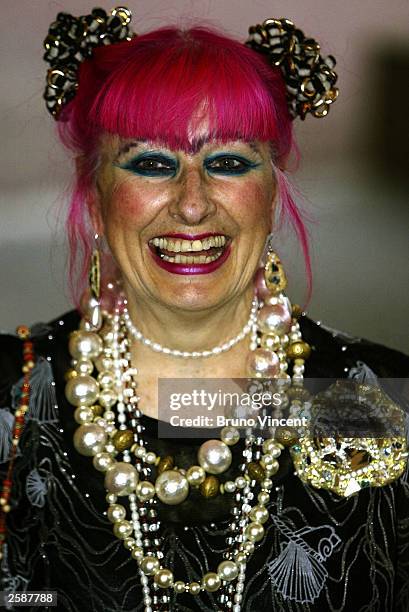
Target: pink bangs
(158, 85)
(162, 86)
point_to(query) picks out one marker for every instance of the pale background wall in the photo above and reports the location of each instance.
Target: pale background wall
(360, 238)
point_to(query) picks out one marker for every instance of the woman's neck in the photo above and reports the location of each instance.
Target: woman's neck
(151, 367)
(187, 329)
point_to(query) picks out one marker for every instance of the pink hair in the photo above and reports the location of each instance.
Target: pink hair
(152, 87)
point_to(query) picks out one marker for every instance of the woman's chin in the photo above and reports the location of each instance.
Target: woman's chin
(192, 299)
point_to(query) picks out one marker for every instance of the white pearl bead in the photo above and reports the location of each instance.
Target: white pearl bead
(263, 363)
(214, 456)
(122, 529)
(263, 497)
(270, 463)
(248, 547)
(103, 363)
(116, 512)
(274, 319)
(179, 587)
(106, 378)
(163, 578)
(149, 565)
(129, 543)
(194, 588)
(195, 475)
(102, 461)
(107, 398)
(81, 390)
(89, 439)
(254, 532)
(121, 479)
(83, 414)
(84, 366)
(229, 486)
(150, 457)
(211, 582)
(145, 490)
(259, 514)
(140, 452)
(230, 435)
(240, 482)
(271, 447)
(171, 487)
(227, 570)
(137, 553)
(84, 344)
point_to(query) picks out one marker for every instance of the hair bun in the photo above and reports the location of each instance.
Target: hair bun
(70, 41)
(309, 77)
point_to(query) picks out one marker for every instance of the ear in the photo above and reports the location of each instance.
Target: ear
(93, 200)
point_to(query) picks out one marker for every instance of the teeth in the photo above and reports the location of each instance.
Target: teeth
(191, 259)
(183, 246)
(197, 245)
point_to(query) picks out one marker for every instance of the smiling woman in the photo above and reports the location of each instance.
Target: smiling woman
(182, 140)
(222, 196)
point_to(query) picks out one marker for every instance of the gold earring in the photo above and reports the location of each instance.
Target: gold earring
(274, 275)
(94, 280)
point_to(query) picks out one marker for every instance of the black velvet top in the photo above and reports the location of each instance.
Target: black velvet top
(320, 551)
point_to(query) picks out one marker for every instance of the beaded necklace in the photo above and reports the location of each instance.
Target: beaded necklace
(110, 431)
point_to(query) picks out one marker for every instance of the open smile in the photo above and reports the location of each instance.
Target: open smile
(182, 254)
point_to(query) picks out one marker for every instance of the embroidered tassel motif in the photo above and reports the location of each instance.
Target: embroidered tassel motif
(6, 433)
(298, 573)
(43, 403)
(36, 488)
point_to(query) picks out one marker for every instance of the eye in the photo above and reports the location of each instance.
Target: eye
(229, 164)
(151, 165)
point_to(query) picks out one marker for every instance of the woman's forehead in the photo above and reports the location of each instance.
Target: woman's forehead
(123, 145)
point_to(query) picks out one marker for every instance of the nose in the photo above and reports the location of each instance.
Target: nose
(192, 203)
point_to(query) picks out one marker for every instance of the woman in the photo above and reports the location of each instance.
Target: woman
(181, 142)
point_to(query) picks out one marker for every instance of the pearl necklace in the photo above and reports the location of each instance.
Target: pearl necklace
(100, 437)
(138, 335)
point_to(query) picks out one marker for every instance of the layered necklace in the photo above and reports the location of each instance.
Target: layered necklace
(103, 387)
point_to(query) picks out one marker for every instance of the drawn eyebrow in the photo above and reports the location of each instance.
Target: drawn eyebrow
(129, 145)
(196, 147)
(203, 140)
(253, 145)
